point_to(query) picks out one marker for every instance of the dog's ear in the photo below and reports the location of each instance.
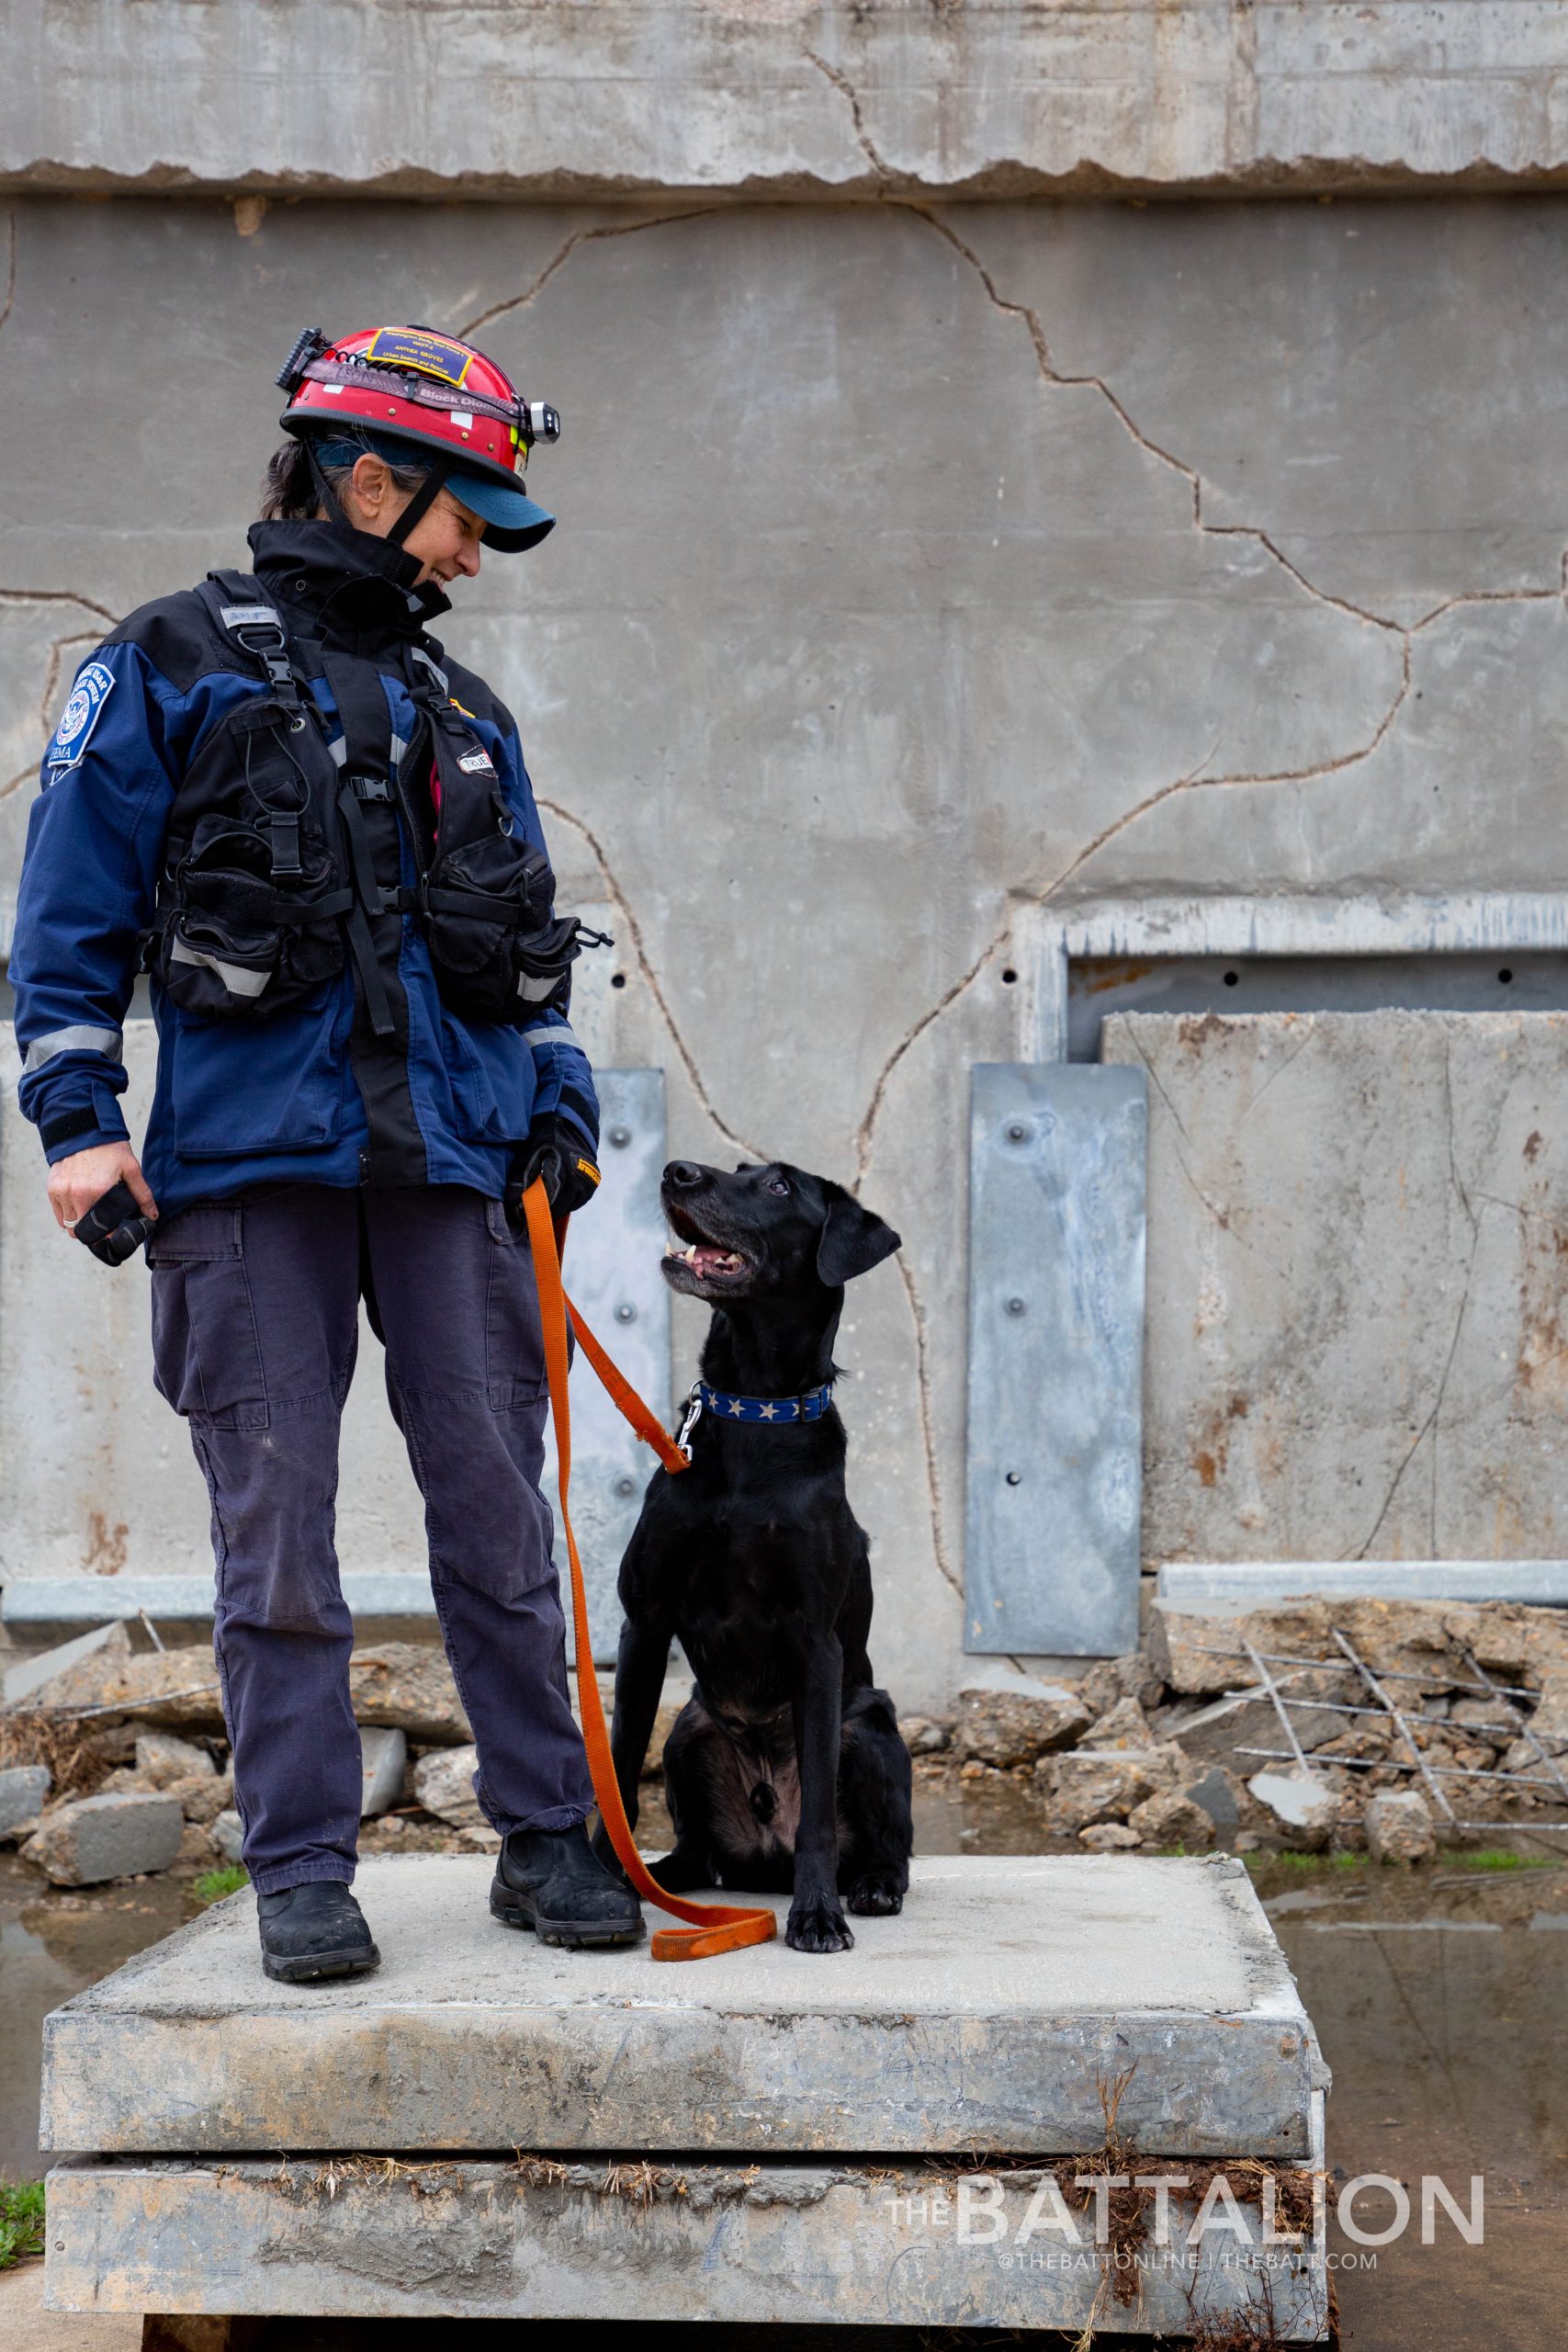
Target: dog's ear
(852, 1240)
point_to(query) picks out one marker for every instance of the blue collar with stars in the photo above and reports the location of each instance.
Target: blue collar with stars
(772, 1410)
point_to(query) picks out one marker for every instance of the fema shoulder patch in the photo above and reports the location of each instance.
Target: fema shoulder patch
(77, 720)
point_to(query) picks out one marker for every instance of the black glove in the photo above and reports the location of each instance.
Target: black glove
(553, 1153)
(115, 1228)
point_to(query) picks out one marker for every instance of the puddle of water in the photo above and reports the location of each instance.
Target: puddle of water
(52, 1945)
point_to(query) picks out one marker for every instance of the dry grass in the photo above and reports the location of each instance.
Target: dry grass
(74, 1759)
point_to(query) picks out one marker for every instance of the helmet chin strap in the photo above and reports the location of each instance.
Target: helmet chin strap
(424, 497)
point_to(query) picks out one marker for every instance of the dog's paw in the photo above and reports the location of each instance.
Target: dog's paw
(876, 1895)
(818, 1926)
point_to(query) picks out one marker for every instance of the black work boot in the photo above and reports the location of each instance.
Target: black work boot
(552, 1881)
(317, 1929)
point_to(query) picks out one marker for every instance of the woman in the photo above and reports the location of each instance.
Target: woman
(317, 834)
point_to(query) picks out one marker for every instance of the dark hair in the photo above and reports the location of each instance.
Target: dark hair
(289, 492)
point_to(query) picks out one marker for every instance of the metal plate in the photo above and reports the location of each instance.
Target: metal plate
(1057, 1161)
(612, 1274)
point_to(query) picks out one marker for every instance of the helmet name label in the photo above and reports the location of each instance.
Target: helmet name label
(431, 354)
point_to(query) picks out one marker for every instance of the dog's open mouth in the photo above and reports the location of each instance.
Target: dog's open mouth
(709, 1261)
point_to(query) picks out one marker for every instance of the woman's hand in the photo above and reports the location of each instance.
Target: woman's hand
(83, 1177)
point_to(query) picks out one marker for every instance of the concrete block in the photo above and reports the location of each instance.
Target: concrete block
(173, 1687)
(202, 1800)
(979, 2017)
(1089, 1785)
(384, 1756)
(106, 1836)
(1012, 1719)
(23, 1788)
(1173, 1818)
(1109, 1838)
(228, 1833)
(1126, 1725)
(1399, 1826)
(162, 1758)
(1303, 1806)
(408, 1687)
(443, 1785)
(1216, 1793)
(821, 2244)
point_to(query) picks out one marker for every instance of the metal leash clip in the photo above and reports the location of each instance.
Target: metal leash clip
(693, 1415)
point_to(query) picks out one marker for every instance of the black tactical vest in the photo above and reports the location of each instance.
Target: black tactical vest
(269, 875)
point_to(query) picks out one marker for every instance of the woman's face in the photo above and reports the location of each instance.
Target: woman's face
(445, 542)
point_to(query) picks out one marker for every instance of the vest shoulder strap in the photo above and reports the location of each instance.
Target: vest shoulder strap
(242, 610)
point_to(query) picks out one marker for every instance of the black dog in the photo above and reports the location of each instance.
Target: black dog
(785, 1769)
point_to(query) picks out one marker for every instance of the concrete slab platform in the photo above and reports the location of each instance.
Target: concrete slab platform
(869, 2246)
(984, 2016)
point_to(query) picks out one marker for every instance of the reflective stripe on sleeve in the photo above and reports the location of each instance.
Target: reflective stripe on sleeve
(79, 1039)
(559, 1035)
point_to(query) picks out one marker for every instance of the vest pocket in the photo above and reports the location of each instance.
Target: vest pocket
(491, 1074)
(271, 1086)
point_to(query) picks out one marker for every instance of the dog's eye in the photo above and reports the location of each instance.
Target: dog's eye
(777, 1184)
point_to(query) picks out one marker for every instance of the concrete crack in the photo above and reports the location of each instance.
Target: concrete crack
(619, 901)
(21, 596)
(58, 596)
(928, 1432)
(1222, 1217)
(558, 260)
(1454, 1177)
(1279, 1072)
(847, 90)
(1189, 474)
(1429, 1425)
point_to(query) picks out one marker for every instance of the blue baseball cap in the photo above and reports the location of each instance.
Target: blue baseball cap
(512, 520)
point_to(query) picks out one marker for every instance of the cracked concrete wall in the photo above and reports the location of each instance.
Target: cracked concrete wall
(782, 97)
(1356, 1337)
(917, 565)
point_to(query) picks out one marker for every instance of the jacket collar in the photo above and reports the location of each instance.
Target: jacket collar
(353, 589)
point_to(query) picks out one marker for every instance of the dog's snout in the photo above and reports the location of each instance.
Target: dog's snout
(684, 1175)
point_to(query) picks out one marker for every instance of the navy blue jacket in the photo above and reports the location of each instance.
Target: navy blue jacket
(301, 1097)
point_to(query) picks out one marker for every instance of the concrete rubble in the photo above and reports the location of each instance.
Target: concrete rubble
(443, 1785)
(93, 1838)
(1175, 1749)
(1011, 1719)
(23, 1788)
(384, 1761)
(1399, 1828)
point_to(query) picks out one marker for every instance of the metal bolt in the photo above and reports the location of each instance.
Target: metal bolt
(620, 1138)
(1015, 1477)
(625, 1486)
(625, 1312)
(1015, 1307)
(1018, 1132)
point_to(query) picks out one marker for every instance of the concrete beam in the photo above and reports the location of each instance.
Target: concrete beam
(984, 2017)
(1204, 1588)
(813, 2244)
(711, 98)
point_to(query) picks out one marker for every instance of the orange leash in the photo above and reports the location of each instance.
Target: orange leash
(715, 1926)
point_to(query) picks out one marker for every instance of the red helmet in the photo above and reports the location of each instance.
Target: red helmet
(413, 386)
